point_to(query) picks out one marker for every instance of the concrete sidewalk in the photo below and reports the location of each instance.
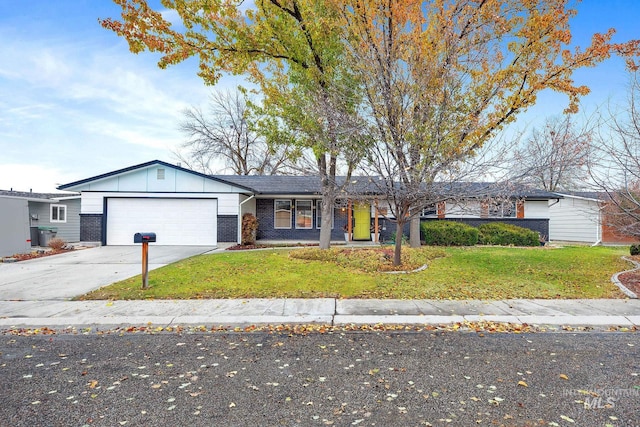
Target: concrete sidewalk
(60, 314)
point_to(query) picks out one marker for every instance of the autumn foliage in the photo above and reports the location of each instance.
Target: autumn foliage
(426, 84)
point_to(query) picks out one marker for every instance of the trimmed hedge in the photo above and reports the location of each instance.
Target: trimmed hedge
(448, 233)
(634, 249)
(499, 233)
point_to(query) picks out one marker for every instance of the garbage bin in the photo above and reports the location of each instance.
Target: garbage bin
(35, 239)
(45, 234)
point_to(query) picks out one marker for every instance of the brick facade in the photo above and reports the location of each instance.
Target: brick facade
(265, 213)
(227, 228)
(91, 227)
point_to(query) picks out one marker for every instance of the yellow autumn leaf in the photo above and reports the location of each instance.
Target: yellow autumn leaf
(564, 377)
(523, 384)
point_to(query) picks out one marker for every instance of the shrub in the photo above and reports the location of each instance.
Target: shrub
(57, 244)
(403, 239)
(634, 249)
(499, 233)
(249, 229)
(448, 233)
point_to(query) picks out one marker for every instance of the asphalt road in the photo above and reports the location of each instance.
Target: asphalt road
(341, 379)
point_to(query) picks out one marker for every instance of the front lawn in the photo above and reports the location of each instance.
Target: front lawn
(462, 273)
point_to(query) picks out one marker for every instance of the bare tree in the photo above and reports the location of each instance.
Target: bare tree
(466, 184)
(615, 165)
(225, 136)
(554, 158)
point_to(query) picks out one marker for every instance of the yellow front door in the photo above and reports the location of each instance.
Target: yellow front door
(362, 221)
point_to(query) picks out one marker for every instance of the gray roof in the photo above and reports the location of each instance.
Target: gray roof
(276, 184)
(310, 185)
(32, 195)
(296, 184)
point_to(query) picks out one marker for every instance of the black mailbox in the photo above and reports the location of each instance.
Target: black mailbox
(144, 237)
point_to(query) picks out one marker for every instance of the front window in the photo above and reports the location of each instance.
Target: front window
(304, 214)
(282, 214)
(506, 209)
(58, 213)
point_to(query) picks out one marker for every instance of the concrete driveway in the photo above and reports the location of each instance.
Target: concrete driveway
(64, 276)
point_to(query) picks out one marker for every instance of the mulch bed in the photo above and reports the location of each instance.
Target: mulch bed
(258, 246)
(246, 247)
(631, 279)
(32, 255)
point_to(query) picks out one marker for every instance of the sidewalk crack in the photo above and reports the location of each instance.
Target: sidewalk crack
(335, 312)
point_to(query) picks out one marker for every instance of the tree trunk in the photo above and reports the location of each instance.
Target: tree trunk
(414, 232)
(397, 253)
(325, 226)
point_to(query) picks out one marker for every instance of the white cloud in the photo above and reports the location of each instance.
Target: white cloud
(25, 177)
(172, 16)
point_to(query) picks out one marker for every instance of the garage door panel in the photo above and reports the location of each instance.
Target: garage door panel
(175, 221)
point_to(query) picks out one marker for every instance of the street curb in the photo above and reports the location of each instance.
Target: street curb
(318, 319)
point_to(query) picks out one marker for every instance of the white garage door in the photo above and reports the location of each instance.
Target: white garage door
(175, 221)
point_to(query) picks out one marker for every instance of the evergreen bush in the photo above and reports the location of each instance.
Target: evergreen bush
(499, 233)
(448, 233)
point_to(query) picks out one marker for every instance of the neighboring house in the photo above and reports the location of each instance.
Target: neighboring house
(14, 227)
(581, 217)
(184, 207)
(23, 213)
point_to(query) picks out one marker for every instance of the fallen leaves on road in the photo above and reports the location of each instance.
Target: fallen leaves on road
(479, 327)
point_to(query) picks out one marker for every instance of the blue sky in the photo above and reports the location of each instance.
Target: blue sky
(74, 102)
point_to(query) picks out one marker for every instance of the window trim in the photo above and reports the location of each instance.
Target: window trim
(430, 211)
(310, 227)
(275, 212)
(56, 208)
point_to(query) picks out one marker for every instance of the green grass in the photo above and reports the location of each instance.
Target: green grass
(462, 273)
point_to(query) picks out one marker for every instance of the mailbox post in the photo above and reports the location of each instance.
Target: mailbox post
(145, 238)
